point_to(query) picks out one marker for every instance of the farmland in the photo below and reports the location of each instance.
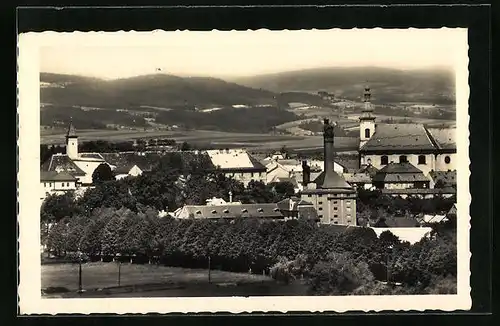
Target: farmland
(203, 138)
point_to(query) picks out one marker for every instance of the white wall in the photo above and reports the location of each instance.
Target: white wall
(55, 187)
(365, 124)
(87, 166)
(246, 177)
(441, 165)
(411, 158)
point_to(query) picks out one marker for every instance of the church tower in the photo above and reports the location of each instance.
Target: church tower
(366, 119)
(71, 142)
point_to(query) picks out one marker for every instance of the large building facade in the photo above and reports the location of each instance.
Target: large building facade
(332, 197)
(428, 149)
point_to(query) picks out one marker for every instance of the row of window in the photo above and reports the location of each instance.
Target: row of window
(50, 184)
(384, 160)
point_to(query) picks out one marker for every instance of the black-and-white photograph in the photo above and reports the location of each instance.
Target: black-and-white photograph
(312, 163)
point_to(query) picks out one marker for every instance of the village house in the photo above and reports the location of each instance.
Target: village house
(57, 183)
(238, 164)
(382, 144)
(333, 198)
(400, 176)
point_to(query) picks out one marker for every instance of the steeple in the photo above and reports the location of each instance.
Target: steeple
(366, 119)
(71, 130)
(71, 142)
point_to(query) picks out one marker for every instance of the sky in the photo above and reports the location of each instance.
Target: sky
(246, 53)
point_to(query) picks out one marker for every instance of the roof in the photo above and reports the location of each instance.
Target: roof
(145, 161)
(125, 169)
(397, 222)
(448, 178)
(399, 172)
(357, 177)
(419, 191)
(55, 176)
(331, 180)
(453, 210)
(235, 160)
(293, 181)
(95, 156)
(350, 163)
(369, 169)
(232, 211)
(434, 218)
(61, 162)
(71, 130)
(444, 137)
(411, 234)
(408, 137)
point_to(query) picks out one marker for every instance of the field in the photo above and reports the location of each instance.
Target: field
(101, 280)
(215, 139)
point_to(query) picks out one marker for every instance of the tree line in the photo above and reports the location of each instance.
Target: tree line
(330, 259)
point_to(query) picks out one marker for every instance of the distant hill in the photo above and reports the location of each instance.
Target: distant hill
(388, 85)
(159, 90)
(192, 103)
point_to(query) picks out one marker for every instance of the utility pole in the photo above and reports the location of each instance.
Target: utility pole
(119, 271)
(209, 272)
(80, 287)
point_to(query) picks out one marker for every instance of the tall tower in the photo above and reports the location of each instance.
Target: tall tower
(71, 142)
(366, 119)
(328, 147)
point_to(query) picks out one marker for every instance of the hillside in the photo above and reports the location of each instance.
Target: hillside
(158, 100)
(150, 90)
(388, 85)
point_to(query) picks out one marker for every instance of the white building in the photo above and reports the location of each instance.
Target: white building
(54, 183)
(426, 148)
(238, 164)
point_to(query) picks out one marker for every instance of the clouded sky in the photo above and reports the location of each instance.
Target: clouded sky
(224, 54)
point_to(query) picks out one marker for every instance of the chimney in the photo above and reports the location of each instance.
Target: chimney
(306, 173)
(328, 145)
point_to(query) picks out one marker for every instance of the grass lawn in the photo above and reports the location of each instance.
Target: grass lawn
(101, 280)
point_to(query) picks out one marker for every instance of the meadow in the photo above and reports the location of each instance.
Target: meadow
(101, 280)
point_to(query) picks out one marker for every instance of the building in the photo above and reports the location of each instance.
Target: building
(296, 209)
(400, 176)
(333, 198)
(427, 148)
(238, 164)
(230, 211)
(58, 183)
(81, 166)
(443, 179)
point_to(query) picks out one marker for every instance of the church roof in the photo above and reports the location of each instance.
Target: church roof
(61, 162)
(407, 137)
(448, 178)
(71, 130)
(232, 211)
(444, 137)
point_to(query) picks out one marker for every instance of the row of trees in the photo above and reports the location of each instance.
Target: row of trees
(332, 259)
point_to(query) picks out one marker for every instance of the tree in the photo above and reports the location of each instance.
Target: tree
(102, 173)
(185, 146)
(56, 207)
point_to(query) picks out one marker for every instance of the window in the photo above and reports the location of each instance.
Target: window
(226, 211)
(260, 210)
(320, 216)
(384, 160)
(320, 209)
(367, 133)
(62, 184)
(335, 202)
(421, 159)
(447, 159)
(335, 222)
(214, 211)
(320, 195)
(252, 174)
(320, 203)
(309, 195)
(369, 161)
(45, 184)
(335, 216)
(50, 184)
(403, 159)
(244, 210)
(335, 208)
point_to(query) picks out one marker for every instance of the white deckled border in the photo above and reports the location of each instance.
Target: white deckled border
(30, 300)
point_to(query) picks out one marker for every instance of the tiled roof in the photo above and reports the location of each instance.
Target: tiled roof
(124, 169)
(124, 160)
(349, 162)
(399, 168)
(54, 176)
(448, 178)
(331, 180)
(398, 222)
(420, 191)
(235, 160)
(232, 211)
(61, 162)
(399, 136)
(95, 156)
(399, 172)
(444, 137)
(357, 177)
(369, 169)
(453, 210)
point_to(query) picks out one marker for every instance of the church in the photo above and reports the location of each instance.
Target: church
(428, 149)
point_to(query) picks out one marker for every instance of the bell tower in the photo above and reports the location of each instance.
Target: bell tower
(71, 142)
(366, 119)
